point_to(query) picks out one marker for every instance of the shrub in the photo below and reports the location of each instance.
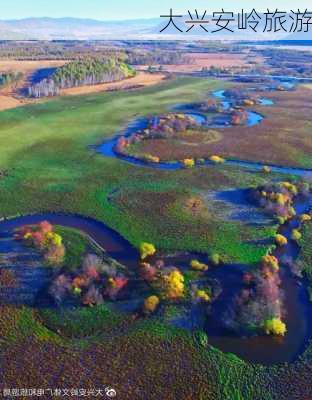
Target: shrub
(281, 199)
(151, 304)
(201, 338)
(92, 297)
(46, 240)
(95, 279)
(275, 326)
(292, 212)
(203, 296)
(39, 239)
(290, 187)
(266, 169)
(198, 266)
(215, 259)
(261, 303)
(150, 158)
(188, 162)
(305, 218)
(115, 285)
(53, 238)
(91, 273)
(92, 260)
(217, 159)
(148, 272)
(295, 234)
(146, 250)
(248, 102)
(55, 254)
(77, 291)
(281, 220)
(278, 198)
(59, 287)
(79, 282)
(174, 284)
(239, 117)
(270, 262)
(45, 227)
(281, 240)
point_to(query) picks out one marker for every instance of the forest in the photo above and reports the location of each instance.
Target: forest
(162, 57)
(90, 71)
(10, 77)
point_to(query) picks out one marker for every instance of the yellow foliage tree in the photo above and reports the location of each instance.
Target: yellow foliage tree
(275, 326)
(151, 304)
(281, 199)
(188, 162)
(202, 295)
(151, 158)
(305, 218)
(281, 240)
(54, 238)
(295, 234)
(217, 159)
(270, 261)
(290, 187)
(266, 169)
(198, 266)
(174, 284)
(147, 249)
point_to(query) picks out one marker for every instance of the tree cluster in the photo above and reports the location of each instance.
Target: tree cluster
(90, 71)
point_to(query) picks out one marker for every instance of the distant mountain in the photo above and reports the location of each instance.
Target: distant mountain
(88, 29)
(73, 29)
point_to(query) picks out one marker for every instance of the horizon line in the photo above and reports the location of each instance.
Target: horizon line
(81, 18)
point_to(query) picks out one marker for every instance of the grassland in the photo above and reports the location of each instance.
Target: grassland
(305, 258)
(196, 61)
(93, 345)
(279, 139)
(113, 357)
(77, 245)
(11, 97)
(51, 167)
(46, 149)
(140, 80)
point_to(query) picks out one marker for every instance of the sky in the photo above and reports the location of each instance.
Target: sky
(133, 9)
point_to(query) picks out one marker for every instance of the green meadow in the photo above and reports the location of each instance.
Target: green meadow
(52, 166)
(48, 151)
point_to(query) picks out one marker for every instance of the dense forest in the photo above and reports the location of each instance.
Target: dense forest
(288, 62)
(58, 50)
(162, 57)
(90, 71)
(137, 52)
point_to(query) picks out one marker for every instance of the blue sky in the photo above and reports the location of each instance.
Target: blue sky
(132, 9)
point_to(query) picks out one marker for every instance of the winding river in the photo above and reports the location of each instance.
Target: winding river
(263, 349)
(107, 148)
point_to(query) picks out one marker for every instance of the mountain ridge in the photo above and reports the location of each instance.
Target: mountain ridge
(71, 28)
